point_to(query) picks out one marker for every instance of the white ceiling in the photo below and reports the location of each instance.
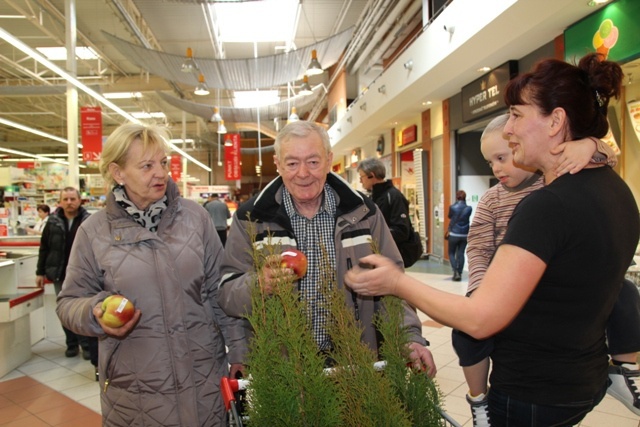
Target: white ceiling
(35, 97)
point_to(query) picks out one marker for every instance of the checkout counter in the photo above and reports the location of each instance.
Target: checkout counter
(22, 304)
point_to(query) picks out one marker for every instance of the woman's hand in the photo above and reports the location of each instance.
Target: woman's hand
(123, 330)
(375, 275)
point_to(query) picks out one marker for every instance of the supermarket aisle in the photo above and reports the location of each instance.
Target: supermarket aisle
(52, 390)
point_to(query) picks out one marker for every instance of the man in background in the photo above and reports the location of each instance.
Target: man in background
(393, 205)
(55, 247)
(219, 212)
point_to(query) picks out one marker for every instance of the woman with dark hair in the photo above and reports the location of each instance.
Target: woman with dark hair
(459, 214)
(43, 216)
(556, 275)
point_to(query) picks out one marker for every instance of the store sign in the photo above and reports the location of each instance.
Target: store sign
(612, 31)
(175, 167)
(486, 94)
(409, 135)
(91, 133)
(232, 170)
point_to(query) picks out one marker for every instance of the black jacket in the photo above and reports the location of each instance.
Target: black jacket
(395, 209)
(55, 244)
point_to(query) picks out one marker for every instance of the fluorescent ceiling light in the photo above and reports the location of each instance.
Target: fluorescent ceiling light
(35, 156)
(145, 115)
(122, 95)
(15, 42)
(34, 131)
(264, 21)
(180, 141)
(60, 53)
(255, 98)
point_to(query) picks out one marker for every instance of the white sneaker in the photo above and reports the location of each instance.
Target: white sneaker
(625, 383)
(480, 410)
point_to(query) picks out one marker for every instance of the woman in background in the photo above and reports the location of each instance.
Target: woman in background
(43, 216)
(459, 214)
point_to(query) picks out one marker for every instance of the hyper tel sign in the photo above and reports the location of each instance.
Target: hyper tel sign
(485, 95)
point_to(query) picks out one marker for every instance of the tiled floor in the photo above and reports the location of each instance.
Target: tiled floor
(52, 390)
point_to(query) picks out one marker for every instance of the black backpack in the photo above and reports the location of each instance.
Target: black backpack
(412, 249)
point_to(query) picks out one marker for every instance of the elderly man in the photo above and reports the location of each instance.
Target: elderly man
(310, 208)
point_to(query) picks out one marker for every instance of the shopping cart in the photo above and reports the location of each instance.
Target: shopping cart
(230, 387)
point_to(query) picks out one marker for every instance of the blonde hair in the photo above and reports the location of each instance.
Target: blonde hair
(116, 147)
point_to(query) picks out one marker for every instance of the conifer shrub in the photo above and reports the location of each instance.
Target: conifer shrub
(288, 385)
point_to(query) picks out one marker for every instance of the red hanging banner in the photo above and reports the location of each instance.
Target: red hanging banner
(232, 170)
(91, 133)
(175, 167)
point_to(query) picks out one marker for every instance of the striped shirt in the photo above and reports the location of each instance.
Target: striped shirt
(489, 225)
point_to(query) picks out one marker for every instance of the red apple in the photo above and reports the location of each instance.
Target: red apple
(295, 260)
(117, 311)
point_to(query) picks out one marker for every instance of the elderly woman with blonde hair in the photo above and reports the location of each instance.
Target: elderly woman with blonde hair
(163, 366)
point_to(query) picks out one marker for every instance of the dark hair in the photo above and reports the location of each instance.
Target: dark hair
(44, 208)
(583, 91)
(461, 195)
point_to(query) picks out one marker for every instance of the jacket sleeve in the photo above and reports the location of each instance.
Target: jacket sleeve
(380, 233)
(238, 271)
(231, 327)
(82, 289)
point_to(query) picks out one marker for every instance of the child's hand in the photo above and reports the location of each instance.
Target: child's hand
(573, 155)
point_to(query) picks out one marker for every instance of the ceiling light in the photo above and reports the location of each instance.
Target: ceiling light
(314, 67)
(293, 117)
(228, 142)
(597, 2)
(145, 115)
(255, 99)
(35, 156)
(216, 117)
(15, 42)
(33, 131)
(123, 95)
(281, 15)
(201, 89)
(60, 53)
(305, 89)
(222, 129)
(484, 69)
(189, 65)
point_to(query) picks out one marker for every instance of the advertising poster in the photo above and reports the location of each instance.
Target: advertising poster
(634, 114)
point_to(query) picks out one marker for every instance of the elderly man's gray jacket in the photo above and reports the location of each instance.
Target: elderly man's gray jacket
(357, 222)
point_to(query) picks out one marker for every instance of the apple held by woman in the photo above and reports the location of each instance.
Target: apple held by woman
(118, 310)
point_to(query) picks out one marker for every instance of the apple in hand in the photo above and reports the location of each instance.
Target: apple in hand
(117, 311)
(295, 260)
